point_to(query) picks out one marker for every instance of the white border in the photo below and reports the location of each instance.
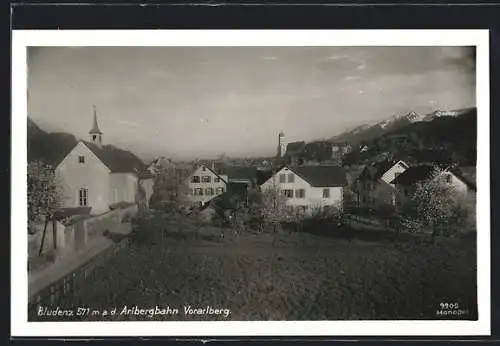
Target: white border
(22, 39)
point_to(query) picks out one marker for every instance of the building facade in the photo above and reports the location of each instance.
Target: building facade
(205, 184)
(97, 176)
(309, 187)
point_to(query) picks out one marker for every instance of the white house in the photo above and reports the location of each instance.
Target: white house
(309, 186)
(95, 176)
(406, 182)
(374, 185)
(204, 184)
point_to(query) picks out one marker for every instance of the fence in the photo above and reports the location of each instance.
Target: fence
(75, 237)
(68, 284)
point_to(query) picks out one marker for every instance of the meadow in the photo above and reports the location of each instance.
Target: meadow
(179, 262)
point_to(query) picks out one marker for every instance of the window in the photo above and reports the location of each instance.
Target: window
(326, 193)
(203, 168)
(219, 190)
(195, 179)
(300, 193)
(83, 195)
(287, 193)
(282, 178)
(291, 178)
(198, 192)
(216, 180)
(209, 191)
(94, 137)
(205, 179)
(81, 159)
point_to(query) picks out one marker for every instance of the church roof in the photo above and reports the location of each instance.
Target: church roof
(116, 159)
(95, 126)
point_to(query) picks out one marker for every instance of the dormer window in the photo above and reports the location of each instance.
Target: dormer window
(81, 159)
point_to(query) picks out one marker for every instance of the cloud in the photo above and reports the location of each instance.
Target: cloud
(361, 67)
(349, 78)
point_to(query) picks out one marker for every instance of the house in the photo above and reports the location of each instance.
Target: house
(309, 187)
(406, 183)
(374, 185)
(100, 176)
(204, 184)
(240, 174)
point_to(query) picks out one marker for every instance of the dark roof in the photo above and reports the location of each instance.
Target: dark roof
(466, 180)
(425, 172)
(117, 160)
(240, 172)
(319, 176)
(415, 174)
(295, 147)
(263, 175)
(377, 169)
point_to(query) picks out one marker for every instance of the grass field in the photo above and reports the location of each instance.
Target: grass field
(295, 276)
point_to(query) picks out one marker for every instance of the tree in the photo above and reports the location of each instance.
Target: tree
(431, 206)
(273, 207)
(170, 189)
(44, 196)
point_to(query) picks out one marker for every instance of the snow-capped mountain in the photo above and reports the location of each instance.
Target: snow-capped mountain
(370, 131)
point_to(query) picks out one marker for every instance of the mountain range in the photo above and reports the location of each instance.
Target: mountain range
(440, 137)
(367, 132)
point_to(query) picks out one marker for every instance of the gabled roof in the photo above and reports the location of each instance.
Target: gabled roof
(263, 175)
(117, 160)
(467, 181)
(425, 172)
(322, 176)
(210, 169)
(415, 174)
(377, 170)
(239, 173)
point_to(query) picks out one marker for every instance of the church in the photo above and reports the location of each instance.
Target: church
(97, 177)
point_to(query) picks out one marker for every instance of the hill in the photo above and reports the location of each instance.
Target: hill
(52, 147)
(368, 132)
(443, 140)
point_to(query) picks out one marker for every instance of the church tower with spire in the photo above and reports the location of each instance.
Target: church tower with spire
(95, 133)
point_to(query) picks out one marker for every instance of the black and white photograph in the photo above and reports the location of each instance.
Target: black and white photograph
(273, 182)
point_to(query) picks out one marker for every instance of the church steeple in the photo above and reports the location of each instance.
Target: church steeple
(95, 133)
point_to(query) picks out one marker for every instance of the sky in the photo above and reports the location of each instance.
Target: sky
(200, 102)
